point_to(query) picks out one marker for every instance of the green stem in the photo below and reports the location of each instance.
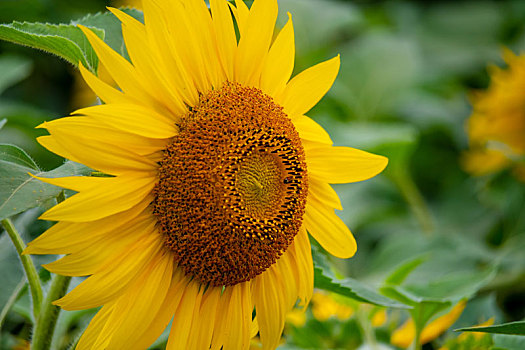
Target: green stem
(366, 327)
(416, 344)
(29, 267)
(416, 201)
(45, 327)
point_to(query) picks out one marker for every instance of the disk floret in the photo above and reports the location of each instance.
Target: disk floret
(232, 186)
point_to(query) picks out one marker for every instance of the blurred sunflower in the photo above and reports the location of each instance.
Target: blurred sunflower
(497, 124)
(404, 335)
(215, 175)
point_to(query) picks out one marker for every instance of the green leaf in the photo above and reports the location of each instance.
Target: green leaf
(64, 40)
(508, 342)
(20, 191)
(13, 154)
(11, 275)
(453, 287)
(516, 328)
(401, 273)
(67, 40)
(12, 70)
(353, 289)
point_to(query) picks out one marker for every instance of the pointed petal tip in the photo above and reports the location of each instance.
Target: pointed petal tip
(41, 126)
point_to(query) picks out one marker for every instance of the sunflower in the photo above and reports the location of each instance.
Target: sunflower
(497, 124)
(214, 178)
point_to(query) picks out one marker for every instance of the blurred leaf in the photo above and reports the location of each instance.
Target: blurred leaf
(64, 40)
(11, 300)
(2, 122)
(371, 86)
(12, 70)
(517, 328)
(13, 154)
(11, 273)
(453, 287)
(19, 191)
(331, 18)
(351, 288)
(400, 274)
(508, 342)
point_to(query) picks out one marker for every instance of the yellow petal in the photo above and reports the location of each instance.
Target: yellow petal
(329, 230)
(114, 278)
(91, 255)
(165, 313)
(256, 37)
(186, 43)
(158, 30)
(223, 325)
(201, 334)
(148, 65)
(59, 239)
(290, 279)
(309, 130)
(323, 193)
(240, 309)
(279, 63)
(270, 306)
(98, 151)
(107, 196)
(308, 87)
(184, 317)
(91, 334)
(132, 118)
(304, 266)
(103, 90)
(141, 302)
(52, 145)
(121, 70)
(139, 145)
(225, 35)
(241, 13)
(342, 164)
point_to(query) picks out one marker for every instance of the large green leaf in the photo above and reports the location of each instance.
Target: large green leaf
(64, 40)
(352, 288)
(14, 154)
(517, 328)
(20, 191)
(67, 40)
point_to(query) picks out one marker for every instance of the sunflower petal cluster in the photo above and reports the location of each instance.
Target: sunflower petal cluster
(196, 72)
(497, 124)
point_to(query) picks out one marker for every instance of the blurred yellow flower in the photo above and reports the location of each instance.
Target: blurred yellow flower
(325, 306)
(379, 318)
(296, 317)
(496, 127)
(471, 340)
(404, 335)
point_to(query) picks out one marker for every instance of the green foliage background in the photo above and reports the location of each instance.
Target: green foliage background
(429, 234)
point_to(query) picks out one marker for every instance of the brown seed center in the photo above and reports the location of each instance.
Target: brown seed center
(232, 186)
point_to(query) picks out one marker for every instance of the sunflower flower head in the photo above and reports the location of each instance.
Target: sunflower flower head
(216, 180)
(497, 124)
